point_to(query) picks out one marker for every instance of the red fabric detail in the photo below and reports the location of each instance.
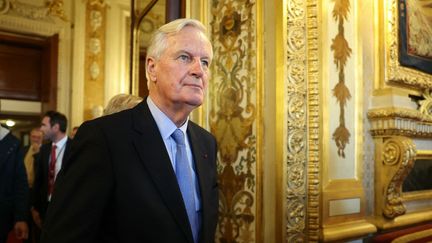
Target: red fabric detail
(51, 170)
(390, 236)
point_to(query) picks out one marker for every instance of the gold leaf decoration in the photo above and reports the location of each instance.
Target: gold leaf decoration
(341, 9)
(56, 8)
(233, 117)
(341, 53)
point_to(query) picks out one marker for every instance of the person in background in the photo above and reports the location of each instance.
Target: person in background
(13, 188)
(146, 174)
(121, 102)
(36, 139)
(49, 161)
(30, 151)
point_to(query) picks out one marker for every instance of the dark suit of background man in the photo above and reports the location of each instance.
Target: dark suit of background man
(49, 161)
(13, 187)
(36, 139)
(121, 183)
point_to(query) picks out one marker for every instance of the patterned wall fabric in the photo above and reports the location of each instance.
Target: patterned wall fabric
(233, 116)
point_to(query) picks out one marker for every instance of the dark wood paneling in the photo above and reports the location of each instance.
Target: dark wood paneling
(50, 73)
(20, 71)
(28, 68)
(175, 9)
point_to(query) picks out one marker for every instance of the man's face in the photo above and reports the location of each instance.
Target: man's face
(36, 137)
(46, 128)
(181, 74)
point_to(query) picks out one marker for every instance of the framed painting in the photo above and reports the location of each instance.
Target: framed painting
(415, 24)
(407, 27)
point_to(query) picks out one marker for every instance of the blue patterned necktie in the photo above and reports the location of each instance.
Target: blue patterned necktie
(185, 182)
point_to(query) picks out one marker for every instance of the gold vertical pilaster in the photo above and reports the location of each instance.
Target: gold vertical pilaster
(94, 64)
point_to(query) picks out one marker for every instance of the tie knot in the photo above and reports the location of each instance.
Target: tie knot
(178, 137)
(54, 147)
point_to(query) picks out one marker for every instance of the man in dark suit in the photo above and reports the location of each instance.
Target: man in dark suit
(36, 139)
(48, 162)
(13, 187)
(147, 174)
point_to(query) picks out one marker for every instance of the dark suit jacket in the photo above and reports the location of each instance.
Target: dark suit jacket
(119, 185)
(40, 185)
(13, 184)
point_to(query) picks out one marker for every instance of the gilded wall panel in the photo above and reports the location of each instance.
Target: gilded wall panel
(234, 105)
(94, 82)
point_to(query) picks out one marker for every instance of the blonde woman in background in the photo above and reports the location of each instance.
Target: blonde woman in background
(121, 102)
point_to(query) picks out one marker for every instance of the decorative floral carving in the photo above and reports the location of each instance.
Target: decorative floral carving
(94, 46)
(4, 6)
(95, 19)
(342, 52)
(95, 55)
(296, 177)
(391, 154)
(51, 8)
(94, 70)
(297, 46)
(296, 213)
(55, 8)
(426, 104)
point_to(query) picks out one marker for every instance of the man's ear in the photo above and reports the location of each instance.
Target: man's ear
(151, 68)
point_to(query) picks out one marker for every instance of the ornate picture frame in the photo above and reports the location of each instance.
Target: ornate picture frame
(415, 29)
(394, 71)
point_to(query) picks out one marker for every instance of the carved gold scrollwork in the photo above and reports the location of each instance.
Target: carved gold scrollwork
(297, 107)
(426, 104)
(4, 6)
(51, 8)
(398, 159)
(56, 8)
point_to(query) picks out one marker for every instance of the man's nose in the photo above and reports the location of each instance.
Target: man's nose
(197, 68)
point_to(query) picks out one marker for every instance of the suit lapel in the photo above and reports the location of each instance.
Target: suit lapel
(151, 150)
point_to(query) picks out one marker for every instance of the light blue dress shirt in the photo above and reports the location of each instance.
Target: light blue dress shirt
(166, 128)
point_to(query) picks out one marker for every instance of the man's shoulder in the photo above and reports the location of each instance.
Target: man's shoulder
(11, 139)
(199, 130)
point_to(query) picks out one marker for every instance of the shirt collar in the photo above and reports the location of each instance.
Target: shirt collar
(61, 143)
(164, 123)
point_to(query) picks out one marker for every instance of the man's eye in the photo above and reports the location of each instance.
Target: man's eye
(184, 57)
(205, 63)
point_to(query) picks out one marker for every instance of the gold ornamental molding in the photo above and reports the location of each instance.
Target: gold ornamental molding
(94, 58)
(52, 8)
(96, 3)
(426, 104)
(400, 122)
(394, 72)
(311, 166)
(395, 159)
(301, 153)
